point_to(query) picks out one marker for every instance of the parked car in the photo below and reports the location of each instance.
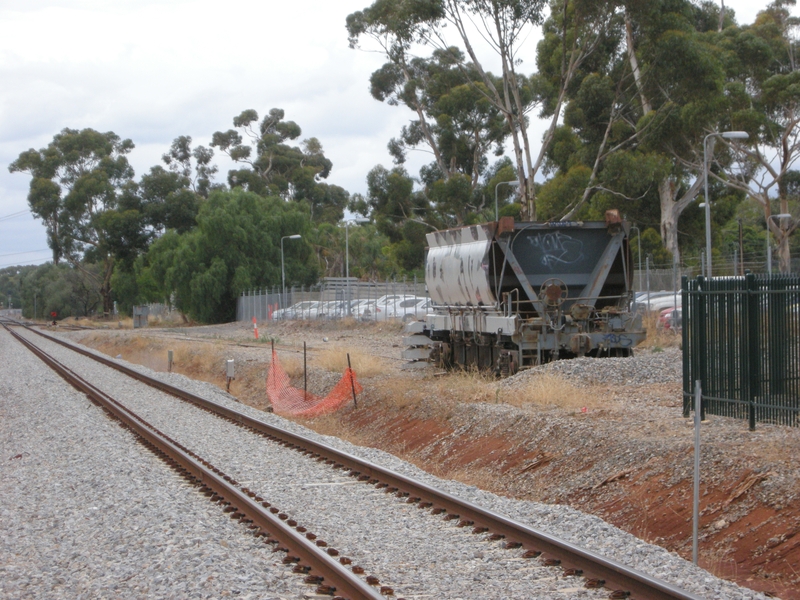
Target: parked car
(386, 305)
(302, 310)
(658, 303)
(409, 308)
(332, 309)
(670, 319)
(366, 310)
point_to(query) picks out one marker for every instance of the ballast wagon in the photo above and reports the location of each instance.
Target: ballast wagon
(508, 295)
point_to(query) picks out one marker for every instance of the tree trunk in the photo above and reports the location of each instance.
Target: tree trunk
(637, 77)
(784, 257)
(669, 217)
(105, 287)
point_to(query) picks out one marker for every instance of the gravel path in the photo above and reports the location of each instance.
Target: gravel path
(285, 478)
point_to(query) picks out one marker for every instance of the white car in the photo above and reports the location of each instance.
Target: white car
(332, 309)
(409, 308)
(302, 310)
(366, 310)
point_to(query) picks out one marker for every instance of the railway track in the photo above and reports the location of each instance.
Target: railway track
(298, 530)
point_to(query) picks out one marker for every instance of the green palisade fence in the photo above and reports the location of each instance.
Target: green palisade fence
(741, 339)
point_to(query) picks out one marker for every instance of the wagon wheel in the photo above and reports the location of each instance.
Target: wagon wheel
(553, 292)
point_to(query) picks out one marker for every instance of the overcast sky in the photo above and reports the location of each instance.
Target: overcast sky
(151, 70)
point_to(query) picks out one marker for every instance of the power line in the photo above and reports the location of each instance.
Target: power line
(16, 214)
(28, 252)
(24, 262)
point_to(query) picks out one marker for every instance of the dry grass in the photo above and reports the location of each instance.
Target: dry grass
(396, 391)
(335, 360)
(658, 337)
(439, 394)
(720, 561)
(551, 390)
(293, 366)
(448, 390)
(205, 362)
(543, 391)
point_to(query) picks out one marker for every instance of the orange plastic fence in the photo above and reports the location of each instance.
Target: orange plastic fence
(290, 401)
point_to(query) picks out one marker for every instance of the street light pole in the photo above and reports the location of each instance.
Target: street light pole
(496, 209)
(296, 236)
(728, 135)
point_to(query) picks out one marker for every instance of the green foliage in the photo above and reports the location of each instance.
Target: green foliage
(462, 111)
(653, 246)
(61, 289)
(391, 200)
(167, 201)
(273, 167)
(76, 189)
(235, 246)
(179, 161)
(562, 192)
(11, 285)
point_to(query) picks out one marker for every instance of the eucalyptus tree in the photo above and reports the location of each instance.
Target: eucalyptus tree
(398, 26)
(273, 167)
(454, 119)
(454, 122)
(77, 185)
(635, 121)
(192, 164)
(504, 25)
(167, 200)
(765, 102)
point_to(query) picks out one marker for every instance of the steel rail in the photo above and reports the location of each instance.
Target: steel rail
(344, 582)
(615, 575)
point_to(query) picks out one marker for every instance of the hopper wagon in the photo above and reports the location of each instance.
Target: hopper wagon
(510, 295)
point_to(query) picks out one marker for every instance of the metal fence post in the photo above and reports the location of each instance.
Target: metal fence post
(753, 366)
(688, 348)
(778, 345)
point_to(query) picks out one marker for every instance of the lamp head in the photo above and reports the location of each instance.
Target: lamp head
(735, 135)
(296, 236)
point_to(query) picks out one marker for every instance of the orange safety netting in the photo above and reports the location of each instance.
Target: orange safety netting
(288, 400)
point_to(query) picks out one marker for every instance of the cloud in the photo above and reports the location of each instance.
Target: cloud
(151, 70)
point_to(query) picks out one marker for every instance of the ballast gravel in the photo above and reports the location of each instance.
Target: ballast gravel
(86, 512)
(418, 554)
(645, 367)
